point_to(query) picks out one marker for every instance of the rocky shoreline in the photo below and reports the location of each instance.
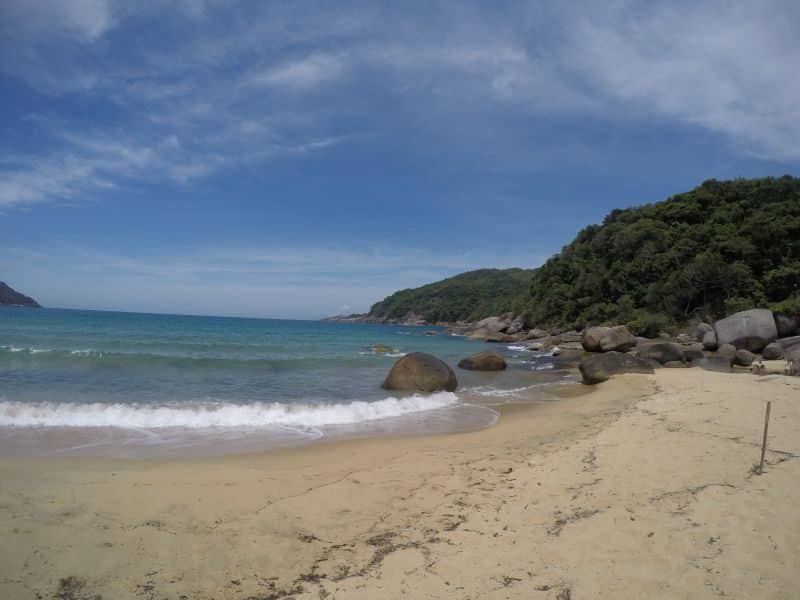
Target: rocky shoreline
(755, 339)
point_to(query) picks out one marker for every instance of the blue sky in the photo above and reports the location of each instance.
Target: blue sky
(303, 159)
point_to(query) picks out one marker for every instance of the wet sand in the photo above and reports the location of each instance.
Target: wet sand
(641, 488)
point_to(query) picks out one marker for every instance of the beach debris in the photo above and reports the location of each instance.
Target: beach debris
(764, 441)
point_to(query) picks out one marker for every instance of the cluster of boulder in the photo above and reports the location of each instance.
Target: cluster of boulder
(741, 339)
(421, 372)
(738, 340)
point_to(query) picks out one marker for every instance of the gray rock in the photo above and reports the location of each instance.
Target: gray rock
(567, 358)
(693, 352)
(790, 344)
(662, 352)
(749, 330)
(494, 324)
(773, 351)
(727, 351)
(484, 361)
(675, 364)
(701, 330)
(710, 340)
(743, 358)
(597, 368)
(517, 325)
(535, 334)
(607, 339)
(420, 372)
(787, 325)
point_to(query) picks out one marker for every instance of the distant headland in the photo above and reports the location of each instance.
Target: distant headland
(11, 297)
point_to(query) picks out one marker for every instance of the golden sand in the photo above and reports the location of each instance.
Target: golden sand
(642, 488)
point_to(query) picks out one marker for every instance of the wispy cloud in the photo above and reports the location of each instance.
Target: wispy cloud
(238, 83)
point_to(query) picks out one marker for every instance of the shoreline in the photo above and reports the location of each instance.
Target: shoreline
(614, 492)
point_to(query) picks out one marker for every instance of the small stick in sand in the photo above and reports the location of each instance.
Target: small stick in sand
(764, 442)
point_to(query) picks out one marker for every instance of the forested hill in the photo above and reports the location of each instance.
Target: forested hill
(724, 246)
(11, 297)
(466, 297)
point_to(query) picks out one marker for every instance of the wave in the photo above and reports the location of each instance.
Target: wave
(99, 358)
(203, 416)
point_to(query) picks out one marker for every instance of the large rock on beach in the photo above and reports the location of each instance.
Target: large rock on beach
(607, 339)
(662, 352)
(749, 329)
(787, 325)
(743, 358)
(484, 361)
(773, 351)
(727, 351)
(597, 368)
(709, 340)
(791, 347)
(420, 372)
(701, 330)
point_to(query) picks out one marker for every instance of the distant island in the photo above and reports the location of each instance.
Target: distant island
(11, 297)
(722, 247)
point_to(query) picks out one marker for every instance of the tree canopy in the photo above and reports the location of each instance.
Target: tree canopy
(719, 248)
(466, 297)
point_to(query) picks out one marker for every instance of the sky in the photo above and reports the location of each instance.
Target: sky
(303, 159)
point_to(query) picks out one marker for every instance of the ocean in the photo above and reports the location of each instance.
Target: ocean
(77, 382)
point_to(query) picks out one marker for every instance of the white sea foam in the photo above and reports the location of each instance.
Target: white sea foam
(129, 416)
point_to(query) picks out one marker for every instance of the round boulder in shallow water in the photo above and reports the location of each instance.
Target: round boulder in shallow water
(483, 361)
(420, 372)
(743, 358)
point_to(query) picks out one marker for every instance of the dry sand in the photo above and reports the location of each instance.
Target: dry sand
(642, 488)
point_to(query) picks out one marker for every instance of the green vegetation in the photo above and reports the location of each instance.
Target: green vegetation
(466, 297)
(719, 248)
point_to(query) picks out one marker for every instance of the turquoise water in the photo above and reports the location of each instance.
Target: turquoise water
(145, 373)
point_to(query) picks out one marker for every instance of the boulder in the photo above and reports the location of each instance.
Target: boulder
(701, 330)
(773, 351)
(710, 340)
(420, 372)
(597, 368)
(535, 334)
(381, 348)
(743, 358)
(483, 361)
(517, 325)
(607, 339)
(479, 334)
(786, 325)
(662, 352)
(790, 344)
(727, 351)
(749, 329)
(567, 358)
(693, 352)
(494, 324)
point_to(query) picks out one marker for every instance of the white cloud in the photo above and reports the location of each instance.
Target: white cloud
(303, 74)
(728, 68)
(246, 83)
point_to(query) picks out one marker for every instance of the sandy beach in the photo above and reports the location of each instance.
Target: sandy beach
(640, 487)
